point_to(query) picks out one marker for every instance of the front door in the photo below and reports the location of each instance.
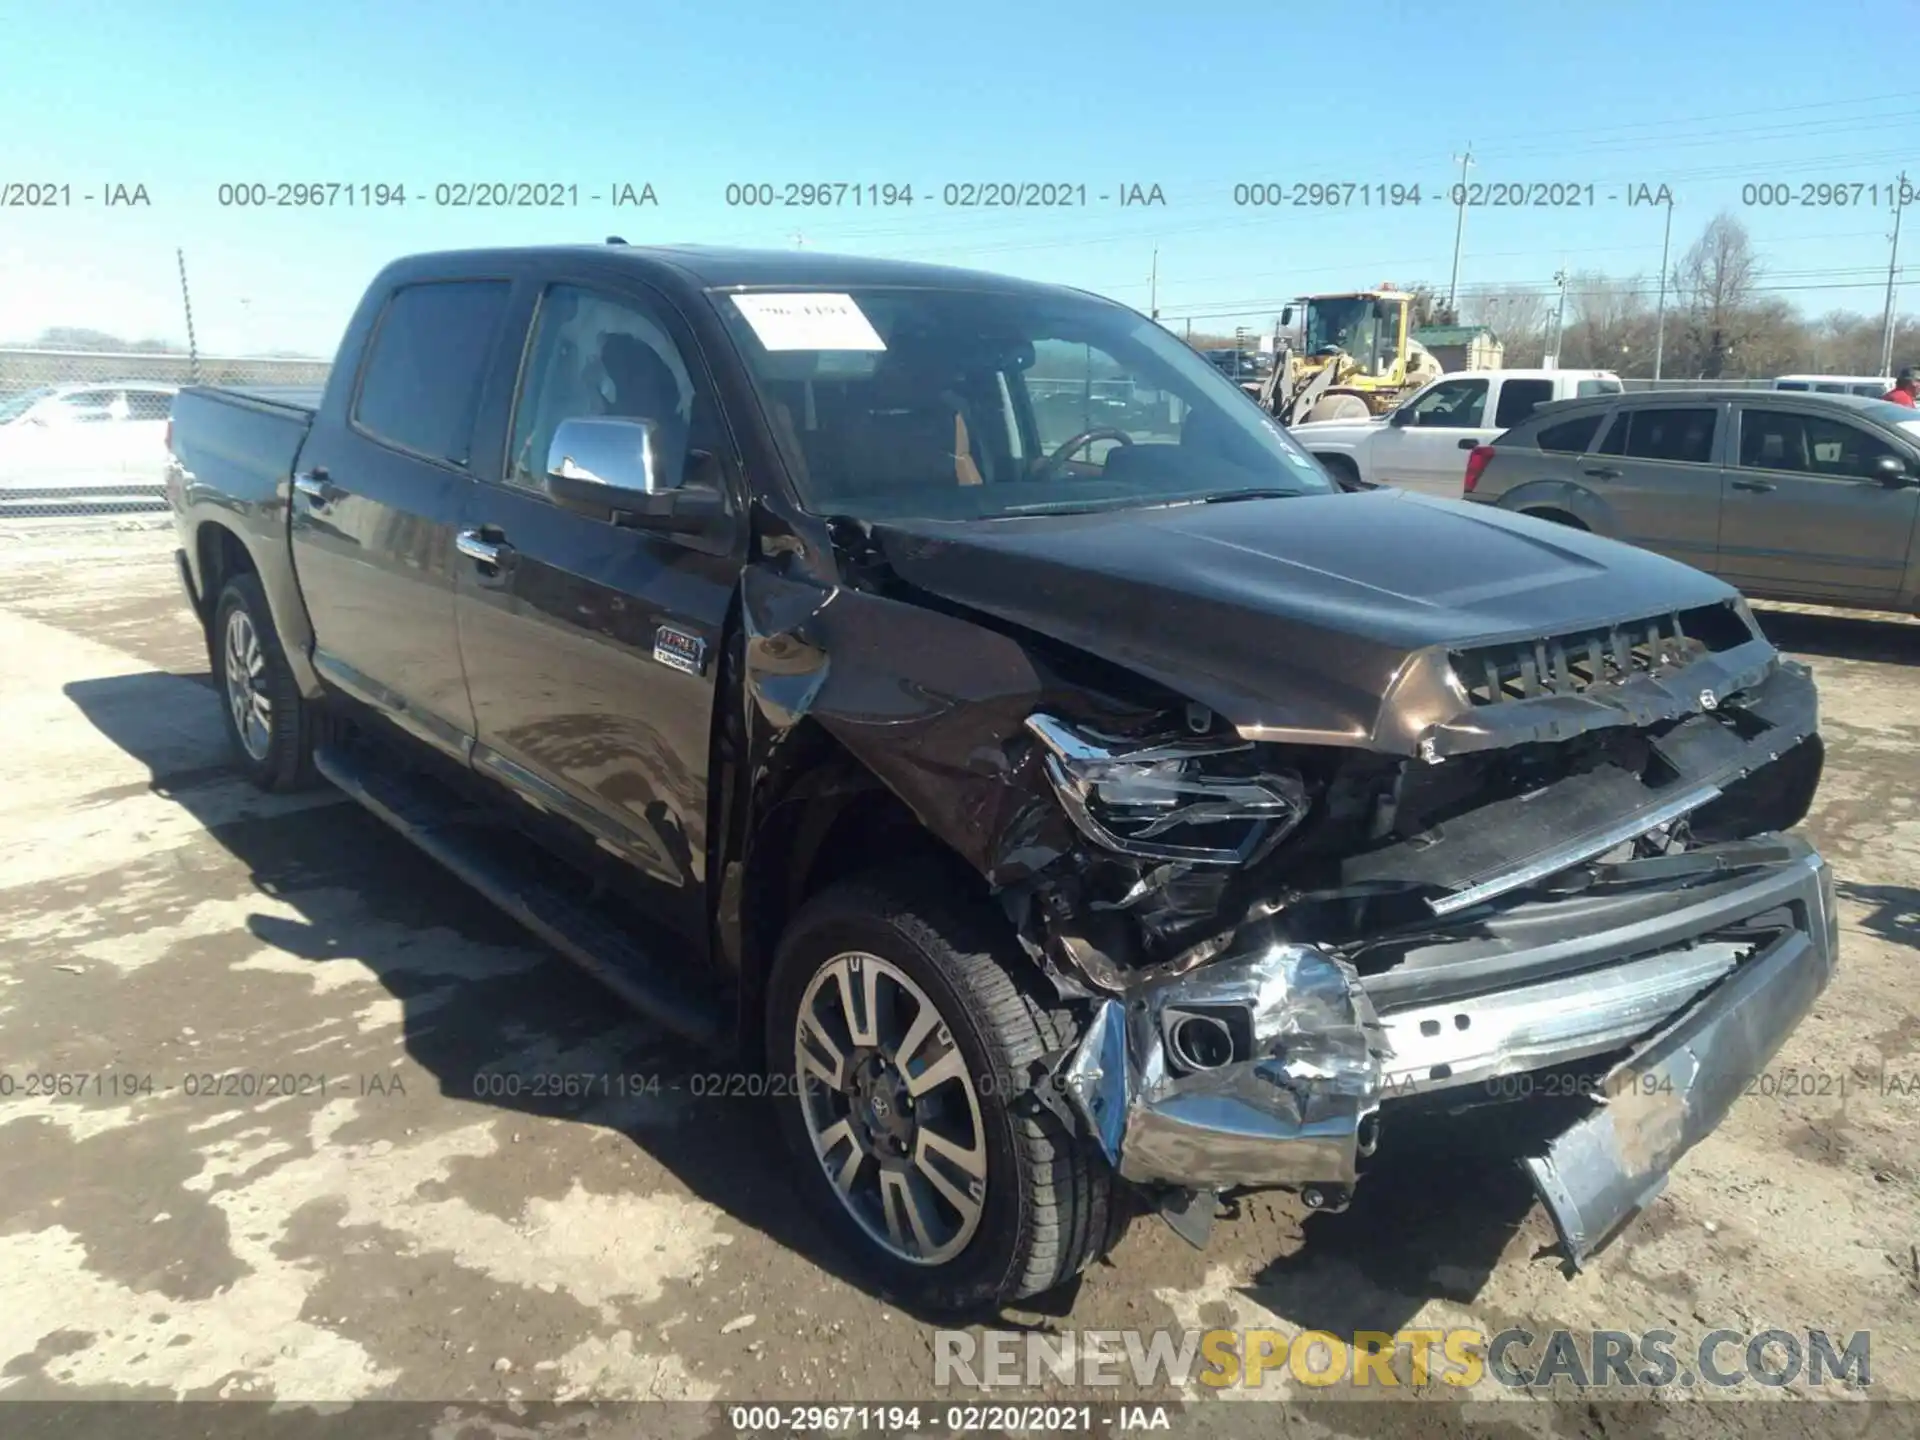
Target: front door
(1420, 448)
(591, 649)
(378, 499)
(1802, 513)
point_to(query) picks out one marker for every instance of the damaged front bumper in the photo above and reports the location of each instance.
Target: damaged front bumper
(1276, 1067)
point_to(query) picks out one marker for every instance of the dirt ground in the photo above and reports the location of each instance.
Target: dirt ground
(402, 1226)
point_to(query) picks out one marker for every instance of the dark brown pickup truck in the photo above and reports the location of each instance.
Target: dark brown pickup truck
(954, 701)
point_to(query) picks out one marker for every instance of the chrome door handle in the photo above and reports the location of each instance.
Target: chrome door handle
(1752, 484)
(1602, 472)
(316, 487)
(475, 546)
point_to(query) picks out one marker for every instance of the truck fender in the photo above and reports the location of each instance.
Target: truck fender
(220, 551)
(1552, 499)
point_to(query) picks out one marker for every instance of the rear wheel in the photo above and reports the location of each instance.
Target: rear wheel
(1558, 517)
(268, 724)
(901, 1030)
(1339, 407)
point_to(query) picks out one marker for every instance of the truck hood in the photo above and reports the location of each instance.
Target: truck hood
(1292, 618)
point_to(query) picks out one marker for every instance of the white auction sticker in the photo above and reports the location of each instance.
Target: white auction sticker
(808, 321)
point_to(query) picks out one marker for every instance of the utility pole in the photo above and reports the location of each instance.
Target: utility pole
(1459, 225)
(1559, 318)
(186, 300)
(1893, 262)
(1153, 286)
(1660, 313)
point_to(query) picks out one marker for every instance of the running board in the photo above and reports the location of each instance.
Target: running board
(481, 852)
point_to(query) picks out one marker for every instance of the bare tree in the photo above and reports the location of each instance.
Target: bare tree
(1518, 315)
(1612, 328)
(1713, 287)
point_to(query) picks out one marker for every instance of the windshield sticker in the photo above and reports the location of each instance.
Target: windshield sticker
(809, 322)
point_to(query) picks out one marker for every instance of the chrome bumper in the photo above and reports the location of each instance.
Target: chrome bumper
(1315, 1058)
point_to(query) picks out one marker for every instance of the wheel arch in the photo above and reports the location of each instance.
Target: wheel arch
(1537, 497)
(219, 553)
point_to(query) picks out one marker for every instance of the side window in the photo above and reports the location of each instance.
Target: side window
(1075, 387)
(89, 407)
(1790, 385)
(421, 380)
(1517, 399)
(1672, 435)
(1571, 437)
(149, 404)
(595, 354)
(1452, 404)
(1808, 444)
(1584, 388)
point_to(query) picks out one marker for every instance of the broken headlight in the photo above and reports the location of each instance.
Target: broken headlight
(1173, 797)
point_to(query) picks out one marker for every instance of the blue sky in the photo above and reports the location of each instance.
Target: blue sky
(1703, 95)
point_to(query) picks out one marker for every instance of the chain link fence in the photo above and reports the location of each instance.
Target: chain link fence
(83, 432)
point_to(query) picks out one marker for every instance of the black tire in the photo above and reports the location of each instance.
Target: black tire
(1344, 472)
(1557, 517)
(285, 762)
(1051, 1204)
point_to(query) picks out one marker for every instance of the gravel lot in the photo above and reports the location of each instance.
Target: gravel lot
(408, 1234)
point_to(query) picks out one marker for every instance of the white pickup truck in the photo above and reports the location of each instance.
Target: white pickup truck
(1421, 444)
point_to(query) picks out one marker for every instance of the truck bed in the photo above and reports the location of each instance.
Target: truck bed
(240, 444)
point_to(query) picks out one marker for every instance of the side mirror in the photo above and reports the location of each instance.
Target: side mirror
(1890, 470)
(608, 468)
(1286, 316)
(1402, 416)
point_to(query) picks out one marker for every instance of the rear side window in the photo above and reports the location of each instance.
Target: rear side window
(1517, 399)
(1683, 436)
(149, 404)
(1584, 388)
(1789, 384)
(421, 381)
(1572, 437)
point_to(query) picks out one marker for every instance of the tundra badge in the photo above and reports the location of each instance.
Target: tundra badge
(680, 650)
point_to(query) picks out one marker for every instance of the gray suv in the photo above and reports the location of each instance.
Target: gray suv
(1799, 497)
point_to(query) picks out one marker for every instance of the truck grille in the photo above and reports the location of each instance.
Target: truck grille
(1575, 663)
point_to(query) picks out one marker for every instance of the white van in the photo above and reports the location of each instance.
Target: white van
(1872, 386)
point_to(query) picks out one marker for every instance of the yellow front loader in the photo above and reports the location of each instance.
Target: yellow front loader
(1356, 358)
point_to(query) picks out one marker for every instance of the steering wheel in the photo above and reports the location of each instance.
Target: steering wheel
(1047, 467)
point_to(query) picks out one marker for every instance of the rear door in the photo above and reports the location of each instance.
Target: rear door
(379, 498)
(591, 649)
(1420, 449)
(1803, 516)
(1656, 468)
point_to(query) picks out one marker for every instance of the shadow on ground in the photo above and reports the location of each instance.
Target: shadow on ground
(1841, 636)
(1433, 1209)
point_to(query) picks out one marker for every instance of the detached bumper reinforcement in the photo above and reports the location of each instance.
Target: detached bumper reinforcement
(1673, 1091)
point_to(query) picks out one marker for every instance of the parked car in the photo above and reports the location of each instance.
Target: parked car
(1053, 822)
(109, 433)
(1417, 444)
(1788, 496)
(1871, 386)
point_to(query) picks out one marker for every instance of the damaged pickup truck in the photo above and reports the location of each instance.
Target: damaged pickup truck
(955, 702)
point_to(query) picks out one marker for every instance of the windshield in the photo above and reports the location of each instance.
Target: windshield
(13, 407)
(973, 404)
(1348, 325)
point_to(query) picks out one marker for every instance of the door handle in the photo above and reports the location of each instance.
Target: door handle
(1602, 472)
(1753, 484)
(315, 485)
(475, 545)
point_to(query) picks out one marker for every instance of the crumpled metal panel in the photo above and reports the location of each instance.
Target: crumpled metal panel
(1290, 1115)
(1676, 1089)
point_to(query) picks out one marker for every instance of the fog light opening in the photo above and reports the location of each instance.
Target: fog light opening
(1200, 1042)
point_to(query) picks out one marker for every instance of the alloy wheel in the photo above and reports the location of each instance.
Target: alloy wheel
(246, 667)
(891, 1108)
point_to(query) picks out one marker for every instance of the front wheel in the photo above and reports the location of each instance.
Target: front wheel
(901, 1027)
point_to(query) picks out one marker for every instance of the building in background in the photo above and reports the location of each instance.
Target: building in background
(1462, 347)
